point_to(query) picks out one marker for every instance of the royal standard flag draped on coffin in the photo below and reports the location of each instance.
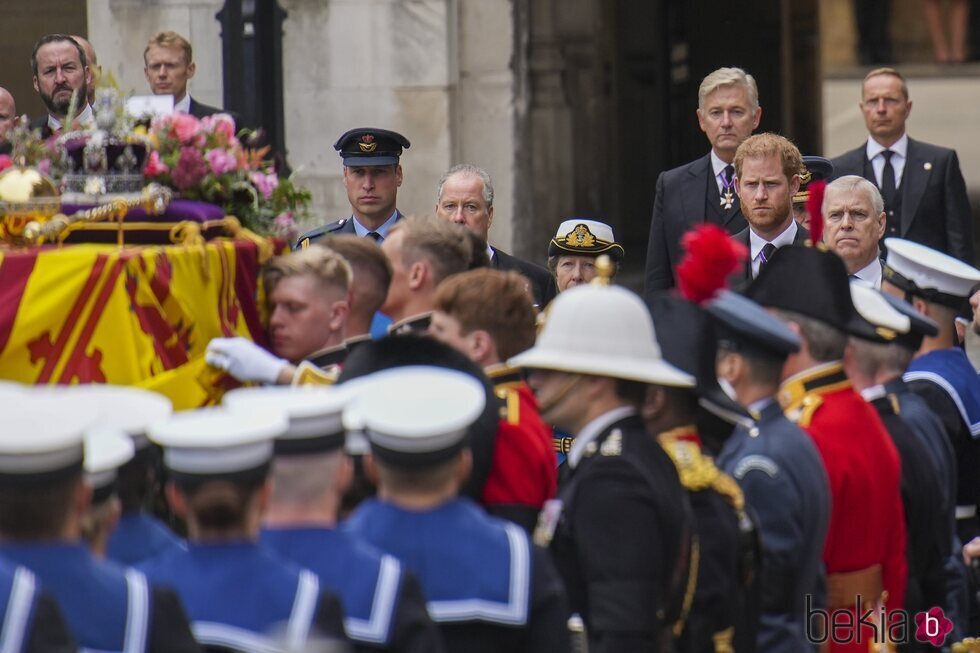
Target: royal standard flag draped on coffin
(130, 316)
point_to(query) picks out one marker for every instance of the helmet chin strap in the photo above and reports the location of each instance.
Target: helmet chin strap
(554, 401)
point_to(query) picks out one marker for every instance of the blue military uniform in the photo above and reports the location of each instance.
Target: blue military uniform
(32, 622)
(488, 588)
(139, 536)
(363, 146)
(782, 477)
(238, 595)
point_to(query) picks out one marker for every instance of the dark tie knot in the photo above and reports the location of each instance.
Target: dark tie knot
(888, 155)
(767, 251)
(375, 235)
(729, 173)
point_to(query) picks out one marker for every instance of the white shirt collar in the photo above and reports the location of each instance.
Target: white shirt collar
(871, 273)
(361, 230)
(757, 242)
(873, 392)
(83, 117)
(490, 253)
(591, 431)
(900, 147)
(717, 164)
(184, 106)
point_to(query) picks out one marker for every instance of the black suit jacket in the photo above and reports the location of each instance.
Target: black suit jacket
(935, 209)
(684, 200)
(542, 282)
(41, 123)
(743, 276)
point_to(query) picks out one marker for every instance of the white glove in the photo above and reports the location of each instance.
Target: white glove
(244, 360)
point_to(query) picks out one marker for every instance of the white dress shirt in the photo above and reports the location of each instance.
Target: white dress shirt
(184, 106)
(757, 242)
(874, 152)
(85, 116)
(871, 273)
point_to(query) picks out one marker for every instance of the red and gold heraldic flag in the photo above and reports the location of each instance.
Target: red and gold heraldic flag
(127, 316)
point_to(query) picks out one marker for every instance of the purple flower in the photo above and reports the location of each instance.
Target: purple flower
(190, 169)
(265, 183)
(284, 225)
(221, 161)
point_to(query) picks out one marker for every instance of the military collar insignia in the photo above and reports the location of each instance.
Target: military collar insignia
(367, 143)
(820, 380)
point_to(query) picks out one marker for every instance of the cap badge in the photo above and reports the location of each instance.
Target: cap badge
(367, 143)
(580, 237)
(805, 177)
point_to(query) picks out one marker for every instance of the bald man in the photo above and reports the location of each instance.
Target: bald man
(93, 65)
(8, 118)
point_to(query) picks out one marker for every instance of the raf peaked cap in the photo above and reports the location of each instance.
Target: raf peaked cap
(366, 146)
(810, 281)
(744, 326)
(687, 340)
(585, 238)
(315, 415)
(815, 168)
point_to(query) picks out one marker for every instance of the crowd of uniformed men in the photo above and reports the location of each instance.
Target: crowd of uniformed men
(448, 448)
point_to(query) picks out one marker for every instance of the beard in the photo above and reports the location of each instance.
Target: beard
(60, 107)
(767, 221)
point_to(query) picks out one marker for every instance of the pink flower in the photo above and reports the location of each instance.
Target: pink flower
(44, 166)
(221, 124)
(221, 161)
(186, 127)
(265, 183)
(154, 166)
(190, 169)
(6, 162)
(284, 225)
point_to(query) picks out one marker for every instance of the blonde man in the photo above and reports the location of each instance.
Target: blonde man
(307, 293)
(767, 175)
(703, 190)
(422, 250)
(168, 63)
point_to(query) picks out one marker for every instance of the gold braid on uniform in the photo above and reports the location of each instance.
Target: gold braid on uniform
(968, 645)
(801, 395)
(697, 471)
(309, 374)
(506, 381)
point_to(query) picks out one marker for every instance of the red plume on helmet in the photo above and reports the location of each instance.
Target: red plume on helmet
(712, 256)
(814, 206)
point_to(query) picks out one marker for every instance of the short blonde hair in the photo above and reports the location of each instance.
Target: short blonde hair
(170, 40)
(445, 245)
(767, 144)
(886, 71)
(325, 265)
(728, 77)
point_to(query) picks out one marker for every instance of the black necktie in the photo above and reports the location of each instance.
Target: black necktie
(729, 173)
(767, 251)
(888, 180)
(375, 235)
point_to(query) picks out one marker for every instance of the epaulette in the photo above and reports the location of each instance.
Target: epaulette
(697, 471)
(315, 234)
(309, 374)
(802, 395)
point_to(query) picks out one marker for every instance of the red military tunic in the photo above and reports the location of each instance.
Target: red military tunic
(524, 472)
(867, 523)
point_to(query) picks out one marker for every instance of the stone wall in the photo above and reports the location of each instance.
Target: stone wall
(119, 30)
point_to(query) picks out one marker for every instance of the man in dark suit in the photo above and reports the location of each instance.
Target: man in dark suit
(372, 176)
(168, 66)
(767, 176)
(925, 195)
(60, 70)
(703, 190)
(854, 222)
(466, 198)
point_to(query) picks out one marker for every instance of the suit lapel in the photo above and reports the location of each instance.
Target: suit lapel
(915, 177)
(693, 198)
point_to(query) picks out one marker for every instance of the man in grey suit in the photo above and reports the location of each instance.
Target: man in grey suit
(767, 176)
(703, 190)
(925, 195)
